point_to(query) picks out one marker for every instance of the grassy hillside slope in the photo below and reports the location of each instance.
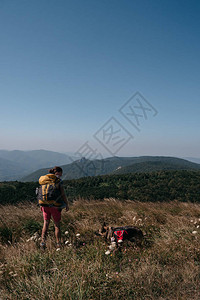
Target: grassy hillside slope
(165, 266)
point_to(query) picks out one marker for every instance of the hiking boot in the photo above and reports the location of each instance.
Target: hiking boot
(58, 246)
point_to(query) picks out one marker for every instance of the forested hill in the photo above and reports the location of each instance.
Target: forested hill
(151, 166)
(179, 185)
(161, 186)
(118, 165)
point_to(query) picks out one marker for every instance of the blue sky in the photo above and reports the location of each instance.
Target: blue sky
(67, 67)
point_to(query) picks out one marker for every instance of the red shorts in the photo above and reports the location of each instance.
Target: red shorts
(51, 211)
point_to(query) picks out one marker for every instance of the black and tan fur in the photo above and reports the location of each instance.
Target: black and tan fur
(134, 234)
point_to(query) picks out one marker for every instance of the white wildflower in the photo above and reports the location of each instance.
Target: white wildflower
(194, 232)
(66, 232)
(113, 243)
(69, 245)
(58, 249)
(120, 241)
(67, 242)
(197, 226)
(138, 221)
(107, 252)
(78, 234)
(34, 237)
(191, 221)
(112, 246)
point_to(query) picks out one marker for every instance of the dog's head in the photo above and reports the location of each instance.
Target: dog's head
(106, 231)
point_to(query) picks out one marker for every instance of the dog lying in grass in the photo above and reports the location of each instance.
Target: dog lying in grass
(120, 234)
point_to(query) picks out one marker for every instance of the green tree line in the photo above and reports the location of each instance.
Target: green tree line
(155, 186)
(14, 192)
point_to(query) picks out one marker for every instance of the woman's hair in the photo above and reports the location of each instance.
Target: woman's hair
(55, 169)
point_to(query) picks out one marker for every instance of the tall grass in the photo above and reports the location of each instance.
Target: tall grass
(165, 266)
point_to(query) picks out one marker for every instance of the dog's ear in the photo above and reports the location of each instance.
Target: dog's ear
(103, 228)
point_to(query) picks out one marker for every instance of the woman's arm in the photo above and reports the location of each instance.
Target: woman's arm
(64, 197)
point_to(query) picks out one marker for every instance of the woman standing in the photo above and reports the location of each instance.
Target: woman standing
(52, 199)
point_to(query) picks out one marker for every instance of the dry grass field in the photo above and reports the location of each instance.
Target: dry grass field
(165, 266)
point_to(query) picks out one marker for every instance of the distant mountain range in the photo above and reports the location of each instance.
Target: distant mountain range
(16, 164)
(117, 165)
(30, 165)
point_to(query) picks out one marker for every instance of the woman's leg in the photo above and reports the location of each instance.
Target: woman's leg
(45, 230)
(57, 232)
(56, 214)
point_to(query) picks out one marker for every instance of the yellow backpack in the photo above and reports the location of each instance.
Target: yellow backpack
(49, 193)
